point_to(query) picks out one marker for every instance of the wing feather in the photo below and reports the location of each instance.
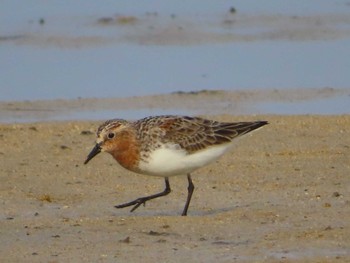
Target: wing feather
(194, 134)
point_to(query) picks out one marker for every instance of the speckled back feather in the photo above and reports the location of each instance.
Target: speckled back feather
(191, 133)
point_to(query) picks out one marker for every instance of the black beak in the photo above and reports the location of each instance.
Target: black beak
(96, 150)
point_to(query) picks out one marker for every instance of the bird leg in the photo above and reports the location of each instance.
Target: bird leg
(190, 189)
(142, 200)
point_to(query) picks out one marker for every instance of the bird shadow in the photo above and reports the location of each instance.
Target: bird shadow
(165, 213)
(215, 211)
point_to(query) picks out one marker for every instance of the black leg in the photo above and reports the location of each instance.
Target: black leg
(142, 200)
(190, 189)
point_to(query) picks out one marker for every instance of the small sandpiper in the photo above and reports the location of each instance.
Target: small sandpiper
(166, 146)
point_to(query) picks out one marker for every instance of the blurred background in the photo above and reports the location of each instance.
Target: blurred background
(64, 49)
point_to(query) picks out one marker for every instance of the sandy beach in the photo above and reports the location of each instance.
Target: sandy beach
(282, 195)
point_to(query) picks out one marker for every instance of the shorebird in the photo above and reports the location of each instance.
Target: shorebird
(167, 146)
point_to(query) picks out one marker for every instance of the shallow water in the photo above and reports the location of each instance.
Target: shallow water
(172, 47)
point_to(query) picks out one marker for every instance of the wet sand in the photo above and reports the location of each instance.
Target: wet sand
(213, 102)
(282, 195)
(163, 29)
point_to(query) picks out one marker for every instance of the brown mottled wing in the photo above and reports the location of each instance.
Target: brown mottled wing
(194, 134)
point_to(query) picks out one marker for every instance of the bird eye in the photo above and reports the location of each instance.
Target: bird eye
(110, 135)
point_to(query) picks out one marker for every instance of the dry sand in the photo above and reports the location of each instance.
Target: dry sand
(282, 195)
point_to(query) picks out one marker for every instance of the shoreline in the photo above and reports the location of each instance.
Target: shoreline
(323, 101)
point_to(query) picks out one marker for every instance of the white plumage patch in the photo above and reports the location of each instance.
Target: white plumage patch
(171, 160)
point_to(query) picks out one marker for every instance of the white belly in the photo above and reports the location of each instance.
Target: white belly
(169, 161)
